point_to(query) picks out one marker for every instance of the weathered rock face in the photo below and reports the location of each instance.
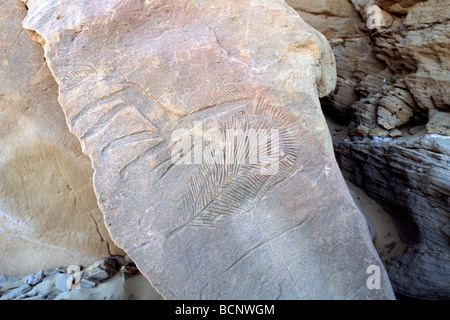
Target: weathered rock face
(134, 75)
(48, 210)
(359, 71)
(415, 52)
(397, 76)
(414, 172)
(390, 79)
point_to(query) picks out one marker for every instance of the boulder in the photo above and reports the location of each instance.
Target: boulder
(48, 210)
(139, 79)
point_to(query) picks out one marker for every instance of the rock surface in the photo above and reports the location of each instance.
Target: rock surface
(356, 60)
(17, 292)
(414, 172)
(397, 75)
(132, 73)
(393, 81)
(48, 210)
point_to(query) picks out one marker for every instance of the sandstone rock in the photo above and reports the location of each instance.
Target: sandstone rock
(416, 129)
(115, 288)
(17, 292)
(414, 172)
(416, 53)
(35, 298)
(35, 278)
(133, 73)
(399, 7)
(391, 77)
(334, 19)
(372, 230)
(439, 123)
(120, 260)
(341, 23)
(101, 270)
(48, 210)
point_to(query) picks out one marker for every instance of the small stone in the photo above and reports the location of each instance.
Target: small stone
(101, 270)
(362, 130)
(128, 270)
(34, 298)
(120, 260)
(260, 86)
(87, 284)
(61, 282)
(378, 132)
(439, 123)
(31, 293)
(395, 133)
(17, 292)
(35, 278)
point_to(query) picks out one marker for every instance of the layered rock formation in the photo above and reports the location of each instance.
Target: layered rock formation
(48, 210)
(393, 82)
(136, 78)
(415, 173)
(391, 76)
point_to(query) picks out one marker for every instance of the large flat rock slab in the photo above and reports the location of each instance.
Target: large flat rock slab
(141, 80)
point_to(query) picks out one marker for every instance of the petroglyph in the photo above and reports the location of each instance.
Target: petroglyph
(235, 173)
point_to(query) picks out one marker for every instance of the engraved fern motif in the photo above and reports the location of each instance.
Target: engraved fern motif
(220, 191)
